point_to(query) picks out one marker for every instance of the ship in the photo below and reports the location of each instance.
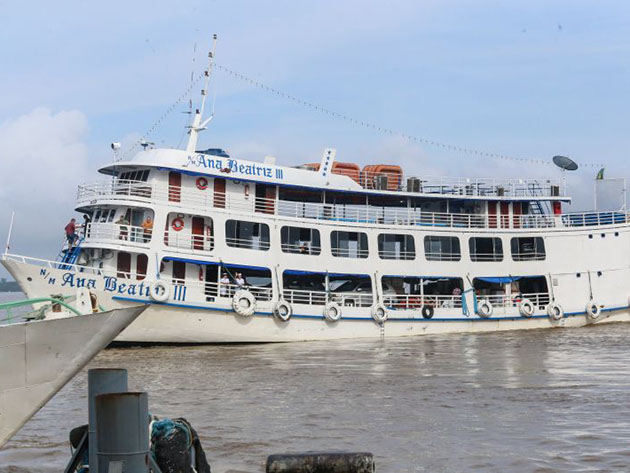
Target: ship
(225, 249)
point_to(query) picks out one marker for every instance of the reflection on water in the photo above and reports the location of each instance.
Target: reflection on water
(539, 401)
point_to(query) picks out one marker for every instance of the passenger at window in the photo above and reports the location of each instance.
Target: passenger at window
(304, 248)
(147, 226)
(239, 280)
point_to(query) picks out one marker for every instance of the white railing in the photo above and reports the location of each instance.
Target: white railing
(116, 233)
(539, 299)
(226, 290)
(418, 301)
(297, 296)
(188, 242)
(302, 249)
(345, 299)
(248, 243)
(482, 187)
(359, 213)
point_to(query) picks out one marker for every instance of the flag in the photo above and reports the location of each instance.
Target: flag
(600, 175)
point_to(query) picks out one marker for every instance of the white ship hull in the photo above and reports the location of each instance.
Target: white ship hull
(183, 322)
(40, 357)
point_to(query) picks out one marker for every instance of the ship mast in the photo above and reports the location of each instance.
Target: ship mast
(197, 124)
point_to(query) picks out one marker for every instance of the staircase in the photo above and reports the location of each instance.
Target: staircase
(68, 256)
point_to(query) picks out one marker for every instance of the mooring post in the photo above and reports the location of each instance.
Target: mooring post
(122, 432)
(101, 381)
(321, 462)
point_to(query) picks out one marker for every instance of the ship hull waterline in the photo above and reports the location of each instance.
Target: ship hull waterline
(181, 322)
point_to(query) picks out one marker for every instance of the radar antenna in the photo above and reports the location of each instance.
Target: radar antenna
(197, 124)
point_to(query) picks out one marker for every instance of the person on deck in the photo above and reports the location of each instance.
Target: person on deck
(124, 231)
(71, 234)
(225, 283)
(147, 225)
(86, 223)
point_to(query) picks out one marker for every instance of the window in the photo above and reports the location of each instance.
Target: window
(528, 248)
(252, 235)
(439, 248)
(134, 176)
(300, 240)
(485, 249)
(392, 246)
(349, 244)
(123, 265)
(354, 290)
(141, 266)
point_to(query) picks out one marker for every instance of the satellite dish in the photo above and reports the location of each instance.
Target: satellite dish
(564, 163)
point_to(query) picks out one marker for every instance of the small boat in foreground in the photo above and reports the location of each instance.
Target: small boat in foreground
(40, 356)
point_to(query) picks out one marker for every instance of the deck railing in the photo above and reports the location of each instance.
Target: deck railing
(116, 233)
(193, 243)
(191, 199)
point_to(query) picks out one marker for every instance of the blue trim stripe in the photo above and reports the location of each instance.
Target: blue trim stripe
(391, 319)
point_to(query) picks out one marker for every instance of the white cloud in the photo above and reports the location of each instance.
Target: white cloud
(42, 159)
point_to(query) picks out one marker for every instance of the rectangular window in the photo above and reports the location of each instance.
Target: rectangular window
(528, 248)
(440, 248)
(251, 235)
(393, 246)
(485, 249)
(141, 266)
(349, 244)
(300, 240)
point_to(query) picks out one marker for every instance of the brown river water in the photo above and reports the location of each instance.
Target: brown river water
(535, 401)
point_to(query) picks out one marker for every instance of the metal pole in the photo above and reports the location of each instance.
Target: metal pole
(101, 381)
(6, 250)
(122, 432)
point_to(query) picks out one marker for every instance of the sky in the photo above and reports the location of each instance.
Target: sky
(529, 79)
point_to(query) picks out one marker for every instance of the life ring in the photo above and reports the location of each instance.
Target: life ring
(554, 311)
(593, 311)
(202, 183)
(283, 310)
(427, 312)
(484, 308)
(160, 291)
(526, 308)
(244, 303)
(379, 313)
(178, 224)
(332, 312)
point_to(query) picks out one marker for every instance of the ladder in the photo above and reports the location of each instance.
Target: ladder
(68, 256)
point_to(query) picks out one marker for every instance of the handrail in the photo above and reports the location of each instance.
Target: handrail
(358, 213)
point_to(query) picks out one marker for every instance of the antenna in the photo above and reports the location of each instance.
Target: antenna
(564, 163)
(197, 125)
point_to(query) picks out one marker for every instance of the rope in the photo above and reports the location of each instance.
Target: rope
(385, 130)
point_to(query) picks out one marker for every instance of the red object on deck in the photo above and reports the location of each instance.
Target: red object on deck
(352, 170)
(381, 176)
(557, 208)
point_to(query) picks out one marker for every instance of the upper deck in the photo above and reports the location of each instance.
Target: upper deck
(188, 199)
(372, 179)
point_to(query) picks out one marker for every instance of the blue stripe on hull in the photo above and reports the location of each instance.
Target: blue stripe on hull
(406, 319)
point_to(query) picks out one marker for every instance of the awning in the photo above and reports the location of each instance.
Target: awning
(500, 279)
(296, 272)
(214, 263)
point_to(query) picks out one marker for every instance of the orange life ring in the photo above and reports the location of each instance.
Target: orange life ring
(202, 183)
(178, 224)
